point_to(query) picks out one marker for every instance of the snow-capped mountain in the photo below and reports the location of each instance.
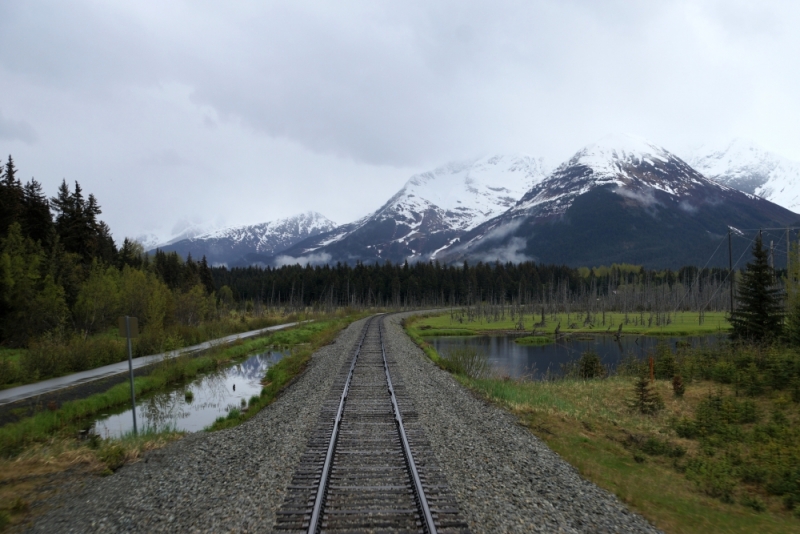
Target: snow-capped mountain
(622, 199)
(428, 213)
(183, 229)
(234, 245)
(746, 166)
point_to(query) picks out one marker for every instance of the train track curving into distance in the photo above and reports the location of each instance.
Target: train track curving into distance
(368, 466)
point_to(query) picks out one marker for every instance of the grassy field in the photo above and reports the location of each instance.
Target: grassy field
(723, 457)
(41, 453)
(679, 324)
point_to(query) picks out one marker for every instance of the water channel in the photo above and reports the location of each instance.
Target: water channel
(508, 358)
(212, 395)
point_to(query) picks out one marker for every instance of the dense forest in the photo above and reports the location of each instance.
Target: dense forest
(61, 273)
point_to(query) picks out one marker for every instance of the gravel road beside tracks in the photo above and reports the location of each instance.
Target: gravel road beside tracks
(505, 479)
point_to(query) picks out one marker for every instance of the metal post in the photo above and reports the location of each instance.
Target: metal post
(130, 368)
(730, 266)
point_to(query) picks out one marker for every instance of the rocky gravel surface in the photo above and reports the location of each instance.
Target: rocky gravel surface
(505, 479)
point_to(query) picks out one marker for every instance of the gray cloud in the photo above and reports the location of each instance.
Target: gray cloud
(306, 105)
(12, 130)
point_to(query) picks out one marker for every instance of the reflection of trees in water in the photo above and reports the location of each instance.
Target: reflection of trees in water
(160, 410)
(215, 388)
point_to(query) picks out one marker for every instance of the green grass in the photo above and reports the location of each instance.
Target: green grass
(681, 324)
(40, 427)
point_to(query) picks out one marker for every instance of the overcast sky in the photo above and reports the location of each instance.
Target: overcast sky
(242, 112)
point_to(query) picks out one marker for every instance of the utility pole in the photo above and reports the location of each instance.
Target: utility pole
(730, 266)
(772, 254)
(129, 328)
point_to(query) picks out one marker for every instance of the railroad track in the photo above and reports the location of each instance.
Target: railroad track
(368, 466)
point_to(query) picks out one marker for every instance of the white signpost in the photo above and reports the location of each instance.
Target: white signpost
(129, 328)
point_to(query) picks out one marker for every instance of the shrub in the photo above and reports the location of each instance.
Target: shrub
(712, 477)
(467, 361)
(665, 365)
(590, 366)
(657, 447)
(9, 372)
(753, 502)
(112, 454)
(678, 388)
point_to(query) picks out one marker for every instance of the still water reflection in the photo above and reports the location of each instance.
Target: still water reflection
(534, 361)
(212, 396)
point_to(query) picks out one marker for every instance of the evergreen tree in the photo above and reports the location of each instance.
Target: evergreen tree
(131, 254)
(759, 313)
(206, 277)
(78, 227)
(36, 219)
(10, 196)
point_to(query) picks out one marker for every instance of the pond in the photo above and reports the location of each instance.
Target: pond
(212, 395)
(508, 358)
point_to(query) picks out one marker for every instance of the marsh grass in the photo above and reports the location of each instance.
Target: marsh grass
(467, 361)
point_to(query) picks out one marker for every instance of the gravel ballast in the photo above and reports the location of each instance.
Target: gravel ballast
(505, 479)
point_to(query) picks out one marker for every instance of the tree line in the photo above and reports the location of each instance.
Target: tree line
(556, 287)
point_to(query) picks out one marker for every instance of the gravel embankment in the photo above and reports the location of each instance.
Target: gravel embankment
(505, 479)
(228, 481)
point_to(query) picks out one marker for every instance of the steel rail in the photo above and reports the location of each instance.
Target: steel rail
(430, 527)
(319, 501)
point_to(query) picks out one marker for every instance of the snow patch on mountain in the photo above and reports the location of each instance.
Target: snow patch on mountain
(744, 165)
(183, 229)
(635, 166)
(263, 237)
(468, 193)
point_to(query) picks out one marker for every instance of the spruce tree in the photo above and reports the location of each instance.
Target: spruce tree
(759, 314)
(36, 219)
(10, 197)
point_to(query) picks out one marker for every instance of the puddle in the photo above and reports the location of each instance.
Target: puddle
(532, 361)
(212, 396)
